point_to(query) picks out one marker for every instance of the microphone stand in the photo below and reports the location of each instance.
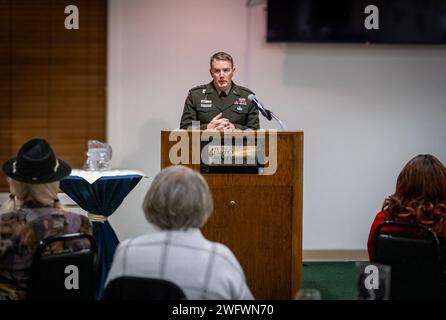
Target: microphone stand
(269, 115)
(281, 124)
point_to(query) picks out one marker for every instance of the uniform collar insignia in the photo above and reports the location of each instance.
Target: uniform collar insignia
(235, 89)
(210, 87)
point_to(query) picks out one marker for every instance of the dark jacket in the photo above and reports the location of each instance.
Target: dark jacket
(203, 103)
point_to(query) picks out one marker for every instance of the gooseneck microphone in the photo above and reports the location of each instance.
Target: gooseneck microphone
(266, 113)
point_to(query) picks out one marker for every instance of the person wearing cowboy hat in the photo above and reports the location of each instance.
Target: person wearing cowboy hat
(32, 213)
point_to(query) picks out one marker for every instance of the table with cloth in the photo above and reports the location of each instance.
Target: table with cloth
(100, 193)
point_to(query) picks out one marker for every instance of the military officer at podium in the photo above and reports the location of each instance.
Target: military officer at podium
(220, 104)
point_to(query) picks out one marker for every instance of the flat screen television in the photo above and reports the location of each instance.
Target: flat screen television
(399, 21)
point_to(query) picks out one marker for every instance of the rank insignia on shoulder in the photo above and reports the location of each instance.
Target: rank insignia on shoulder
(239, 108)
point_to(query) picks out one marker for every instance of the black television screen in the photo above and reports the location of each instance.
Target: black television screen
(399, 21)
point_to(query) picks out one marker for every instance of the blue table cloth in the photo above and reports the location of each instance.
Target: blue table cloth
(100, 198)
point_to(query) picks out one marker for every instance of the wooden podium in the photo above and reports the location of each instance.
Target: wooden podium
(259, 217)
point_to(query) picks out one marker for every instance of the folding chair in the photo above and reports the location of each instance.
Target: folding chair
(68, 275)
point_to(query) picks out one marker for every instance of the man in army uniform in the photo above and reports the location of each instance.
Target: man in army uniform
(220, 104)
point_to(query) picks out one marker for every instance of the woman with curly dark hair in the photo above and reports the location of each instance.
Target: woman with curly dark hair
(420, 197)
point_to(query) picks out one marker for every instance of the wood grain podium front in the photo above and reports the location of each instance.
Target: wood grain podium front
(259, 217)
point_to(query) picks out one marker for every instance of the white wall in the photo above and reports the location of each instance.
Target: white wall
(365, 111)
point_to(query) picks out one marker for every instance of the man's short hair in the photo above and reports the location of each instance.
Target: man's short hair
(178, 199)
(222, 56)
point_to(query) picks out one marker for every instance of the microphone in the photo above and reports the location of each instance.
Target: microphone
(266, 113)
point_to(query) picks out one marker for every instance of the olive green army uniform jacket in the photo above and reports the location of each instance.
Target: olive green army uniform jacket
(203, 103)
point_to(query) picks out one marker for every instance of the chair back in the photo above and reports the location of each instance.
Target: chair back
(413, 253)
(138, 288)
(68, 275)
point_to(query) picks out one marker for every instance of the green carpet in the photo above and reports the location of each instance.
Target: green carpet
(334, 280)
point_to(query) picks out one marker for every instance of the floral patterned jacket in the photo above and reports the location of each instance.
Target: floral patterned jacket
(20, 233)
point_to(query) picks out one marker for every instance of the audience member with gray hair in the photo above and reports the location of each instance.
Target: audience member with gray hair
(178, 203)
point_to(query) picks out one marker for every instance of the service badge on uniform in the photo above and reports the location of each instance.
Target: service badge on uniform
(206, 103)
(240, 101)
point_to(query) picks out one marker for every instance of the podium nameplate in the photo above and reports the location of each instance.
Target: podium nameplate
(242, 155)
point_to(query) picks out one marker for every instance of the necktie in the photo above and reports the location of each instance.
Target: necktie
(223, 96)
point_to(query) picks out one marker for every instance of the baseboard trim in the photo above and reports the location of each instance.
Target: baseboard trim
(335, 255)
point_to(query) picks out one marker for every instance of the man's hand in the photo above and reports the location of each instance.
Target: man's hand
(228, 126)
(219, 123)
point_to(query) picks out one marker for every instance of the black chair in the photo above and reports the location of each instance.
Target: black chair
(413, 253)
(68, 275)
(136, 288)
